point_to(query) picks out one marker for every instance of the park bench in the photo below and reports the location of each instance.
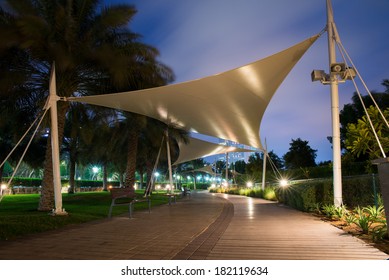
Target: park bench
(126, 196)
(173, 196)
(185, 192)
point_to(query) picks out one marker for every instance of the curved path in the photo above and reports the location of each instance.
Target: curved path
(206, 226)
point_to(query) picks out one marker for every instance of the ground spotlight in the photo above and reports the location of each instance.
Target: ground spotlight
(284, 183)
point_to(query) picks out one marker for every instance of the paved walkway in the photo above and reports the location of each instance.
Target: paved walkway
(206, 226)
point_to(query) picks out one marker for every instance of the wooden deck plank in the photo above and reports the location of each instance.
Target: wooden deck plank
(266, 230)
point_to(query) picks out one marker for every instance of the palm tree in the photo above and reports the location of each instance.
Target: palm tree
(150, 140)
(135, 123)
(79, 130)
(88, 44)
(12, 107)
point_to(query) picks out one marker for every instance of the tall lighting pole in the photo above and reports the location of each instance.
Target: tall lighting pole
(338, 73)
(336, 148)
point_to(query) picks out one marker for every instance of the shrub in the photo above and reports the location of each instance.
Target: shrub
(341, 212)
(302, 195)
(269, 194)
(379, 233)
(350, 218)
(375, 213)
(329, 210)
(363, 220)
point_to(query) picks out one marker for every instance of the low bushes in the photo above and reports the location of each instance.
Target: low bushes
(268, 193)
(36, 182)
(370, 219)
(306, 195)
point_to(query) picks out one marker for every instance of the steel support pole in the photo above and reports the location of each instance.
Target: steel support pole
(264, 167)
(336, 147)
(227, 169)
(55, 145)
(169, 161)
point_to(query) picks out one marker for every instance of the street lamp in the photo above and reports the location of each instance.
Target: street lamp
(95, 169)
(2, 189)
(284, 183)
(339, 73)
(156, 174)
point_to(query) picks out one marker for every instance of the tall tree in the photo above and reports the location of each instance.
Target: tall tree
(14, 68)
(353, 111)
(360, 139)
(300, 154)
(254, 165)
(239, 166)
(88, 43)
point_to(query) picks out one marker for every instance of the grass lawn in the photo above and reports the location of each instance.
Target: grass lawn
(19, 215)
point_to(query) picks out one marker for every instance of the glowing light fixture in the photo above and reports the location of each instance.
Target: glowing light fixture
(283, 183)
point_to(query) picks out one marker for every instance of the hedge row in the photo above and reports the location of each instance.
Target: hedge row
(268, 193)
(199, 186)
(33, 182)
(357, 191)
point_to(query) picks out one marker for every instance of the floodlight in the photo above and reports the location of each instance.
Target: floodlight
(338, 68)
(318, 75)
(283, 183)
(349, 73)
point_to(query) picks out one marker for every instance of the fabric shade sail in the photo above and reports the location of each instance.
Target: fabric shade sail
(197, 148)
(229, 105)
(206, 169)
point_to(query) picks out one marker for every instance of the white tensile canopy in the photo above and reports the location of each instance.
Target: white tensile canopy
(229, 105)
(206, 169)
(197, 148)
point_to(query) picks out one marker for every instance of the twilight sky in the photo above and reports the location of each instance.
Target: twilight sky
(198, 38)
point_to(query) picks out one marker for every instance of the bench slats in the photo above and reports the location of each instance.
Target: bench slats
(117, 193)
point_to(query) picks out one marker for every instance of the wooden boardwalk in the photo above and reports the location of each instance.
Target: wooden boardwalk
(206, 226)
(268, 230)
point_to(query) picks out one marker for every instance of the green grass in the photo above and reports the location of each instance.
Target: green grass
(19, 215)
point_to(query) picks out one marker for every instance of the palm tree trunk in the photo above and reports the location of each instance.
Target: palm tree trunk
(149, 172)
(46, 201)
(131, 159)
(72, 175)
(121, 180)
(141, 172)
(141, 180)
(105, 177)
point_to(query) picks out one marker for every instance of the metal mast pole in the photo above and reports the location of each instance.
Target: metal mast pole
(55, 144)
(169, 161)
(227, 169)
(336, 148)
(264, 167)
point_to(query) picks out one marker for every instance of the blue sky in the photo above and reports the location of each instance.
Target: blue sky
(197, 38)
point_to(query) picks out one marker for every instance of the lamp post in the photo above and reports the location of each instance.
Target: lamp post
(95, 169)
(156, 174)
(2, 189)
(338, 74)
